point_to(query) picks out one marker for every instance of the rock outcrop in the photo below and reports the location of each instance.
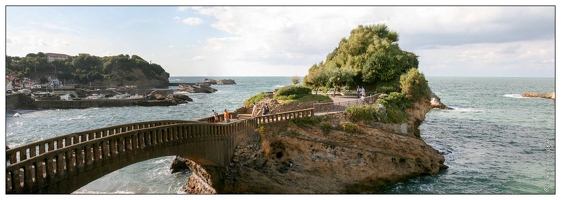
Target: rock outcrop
(533, 94)
(435, 102)
(159, 98)
(210, 81)
(203, 88)
(226, 82)
(282, 158)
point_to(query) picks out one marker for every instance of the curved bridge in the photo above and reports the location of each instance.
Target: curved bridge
(66, 163)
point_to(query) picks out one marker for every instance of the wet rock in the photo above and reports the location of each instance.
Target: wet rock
(435, 102)
(546, 96)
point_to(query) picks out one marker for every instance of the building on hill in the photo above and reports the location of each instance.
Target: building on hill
(56, 56)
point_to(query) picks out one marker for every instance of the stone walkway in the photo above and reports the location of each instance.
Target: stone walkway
(338, 98)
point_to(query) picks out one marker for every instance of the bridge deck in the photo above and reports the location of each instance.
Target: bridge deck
(65, 163)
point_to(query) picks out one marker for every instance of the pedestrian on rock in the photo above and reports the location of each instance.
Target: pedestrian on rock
(254, 112)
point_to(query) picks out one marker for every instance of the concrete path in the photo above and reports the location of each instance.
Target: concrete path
(338, 98)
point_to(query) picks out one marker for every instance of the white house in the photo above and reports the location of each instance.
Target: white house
(9, 85)
(55, 56)
(54, 81)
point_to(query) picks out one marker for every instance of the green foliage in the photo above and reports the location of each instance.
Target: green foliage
(369, 57)
(293, 90)
(312, 97)
(261, 128)
(84, 68)
(254, 99)
(304, 121)
(360, 113)
(394, 98)
(388, 86)
(349, 127)
(339, 77)
(392, 110)
(395, 115)
(325, 128)
(395, 104)
(414, 85)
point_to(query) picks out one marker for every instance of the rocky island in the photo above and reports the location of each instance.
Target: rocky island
(359, 149)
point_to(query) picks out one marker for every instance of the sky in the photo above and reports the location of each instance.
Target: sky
(286, 40)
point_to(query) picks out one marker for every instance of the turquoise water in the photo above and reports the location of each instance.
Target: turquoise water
(494, 141)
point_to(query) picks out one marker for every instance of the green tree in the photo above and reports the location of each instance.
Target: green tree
(316, 78)
(414, 85)
(338, 78)
(295, 80)
(372, 55)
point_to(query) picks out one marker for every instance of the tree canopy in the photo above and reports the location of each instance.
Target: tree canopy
(82, 69)
(370, 57)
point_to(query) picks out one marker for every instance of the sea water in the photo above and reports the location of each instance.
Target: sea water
(494, 141)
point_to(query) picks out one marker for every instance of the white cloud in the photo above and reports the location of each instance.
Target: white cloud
(193, 21)
(302, 36)
(200, 58)
(489, 59)
(287, 40)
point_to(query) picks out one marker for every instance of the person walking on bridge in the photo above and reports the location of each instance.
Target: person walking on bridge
(215, 114)
(254, 112)
(226, 116)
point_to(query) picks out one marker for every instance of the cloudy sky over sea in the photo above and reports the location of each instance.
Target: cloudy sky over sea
(235, 40)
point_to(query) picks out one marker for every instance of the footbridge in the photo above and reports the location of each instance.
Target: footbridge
(66, 163)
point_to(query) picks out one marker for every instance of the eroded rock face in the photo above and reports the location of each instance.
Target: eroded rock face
(435, 102)
(286, 159)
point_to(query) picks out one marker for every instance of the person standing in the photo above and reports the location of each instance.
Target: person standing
(266, 109)
(215, 114)
(363, 91)
(358, 90)
(226, 116)
(254, 111)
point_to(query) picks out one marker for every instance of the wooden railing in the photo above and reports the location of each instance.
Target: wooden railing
(31, 150)
(284, 116)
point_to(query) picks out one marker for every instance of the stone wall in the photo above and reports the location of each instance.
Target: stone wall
(19, 101)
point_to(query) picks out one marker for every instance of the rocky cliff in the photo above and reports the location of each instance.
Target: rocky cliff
(135, 76)
(321, 158)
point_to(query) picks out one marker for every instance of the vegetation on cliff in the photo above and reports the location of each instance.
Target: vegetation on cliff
(116, 70)
(391, 108)
(371, 58)
(288, 94)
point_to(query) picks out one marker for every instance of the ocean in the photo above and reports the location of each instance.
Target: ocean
(494, 141)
